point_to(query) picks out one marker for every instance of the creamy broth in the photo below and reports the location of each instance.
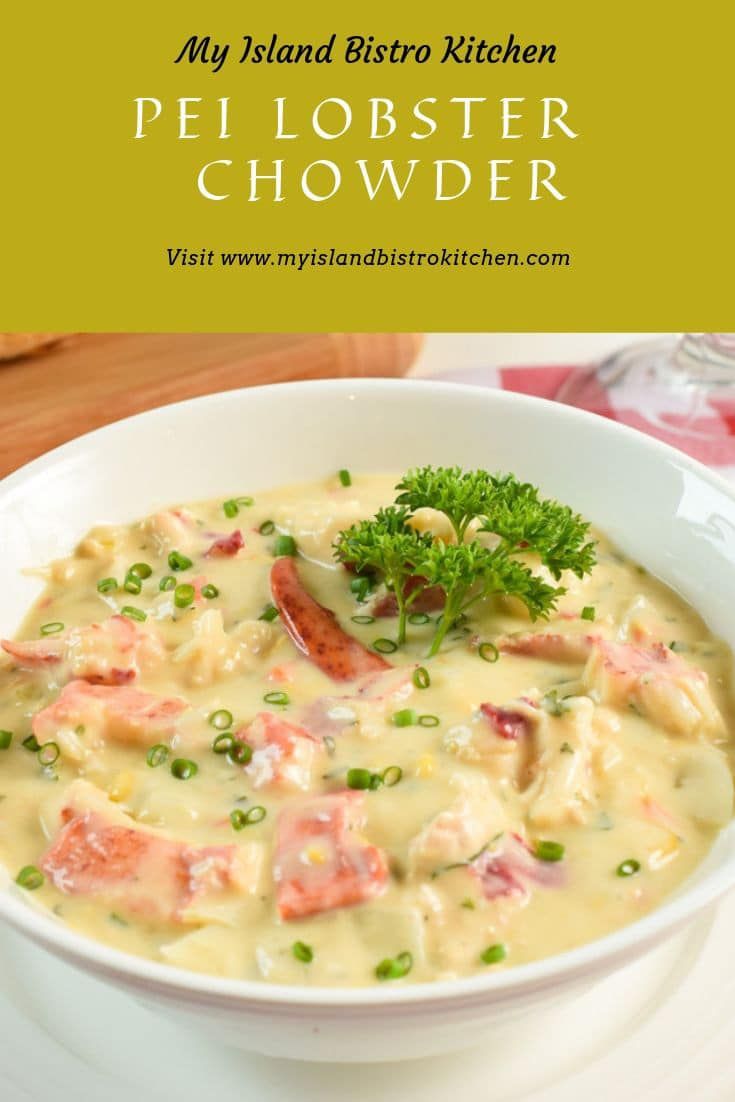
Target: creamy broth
(587, 789)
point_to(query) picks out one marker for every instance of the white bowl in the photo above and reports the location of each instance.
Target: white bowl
(660, 507)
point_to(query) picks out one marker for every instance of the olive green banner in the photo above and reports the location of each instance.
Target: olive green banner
(394, 166)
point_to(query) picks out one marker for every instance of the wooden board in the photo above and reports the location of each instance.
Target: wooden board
(90, 379)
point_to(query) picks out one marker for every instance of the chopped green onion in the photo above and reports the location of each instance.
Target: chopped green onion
(407, 717)
(238, 819)
(421, 678)
(133, 613)
(240, 752)
(359, 778)
(238, 503)
(31, 743)
(285, 545)
(177, 561)
(106, 585)
(394, 968)
(255, 815)
(429, 721)
(30, 878)
(48, 752)
(300, 949)
(277, 698)
(677, 646)
(210, 591)
(363, 619)
(6, 737)
(549, 851)
(494, 954)
(267, 528)
(221, 719)
(269, 614)
(223, 743)
(391, 775)
(468, 904)
(628, 868)
(588, 612)
(117, 919)
(418, 618)
(156, 755)
(53, 628)
(232, 507)
(361, 587)
(183, 769)
(385, 646)
(345, 477)
(166, 583)
(565, 748)
(141, 570)
(132, 584)
(184, 595)
(488, 652)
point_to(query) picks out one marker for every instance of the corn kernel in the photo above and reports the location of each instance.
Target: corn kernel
(315, 856)
(425, 766)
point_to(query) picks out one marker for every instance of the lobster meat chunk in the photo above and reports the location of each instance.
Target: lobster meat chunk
(321, 861)
(111, 653)
(100, 852)
(314, 629)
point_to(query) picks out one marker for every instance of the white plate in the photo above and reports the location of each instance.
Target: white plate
(661, 1030)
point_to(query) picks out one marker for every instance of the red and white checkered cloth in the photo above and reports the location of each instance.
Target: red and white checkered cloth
(708, 435)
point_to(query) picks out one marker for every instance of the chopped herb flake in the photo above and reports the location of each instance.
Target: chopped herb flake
(548, 851)
(494, 954)
(133, 613)
(30, 878)
(53, 628)
(285, 545)
(178, 562)
(394, 968)
(302, 952)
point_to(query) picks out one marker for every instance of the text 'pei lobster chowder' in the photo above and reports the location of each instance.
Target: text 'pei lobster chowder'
(353, 732)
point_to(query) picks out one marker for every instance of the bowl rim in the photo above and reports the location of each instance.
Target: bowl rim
(560, 969)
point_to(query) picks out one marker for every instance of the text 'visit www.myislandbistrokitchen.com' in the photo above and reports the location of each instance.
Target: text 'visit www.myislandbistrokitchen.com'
(376, 257)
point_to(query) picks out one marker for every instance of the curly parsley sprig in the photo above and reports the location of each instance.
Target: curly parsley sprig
(469, 570)
(505, 507)
(524, 521)
(388, 546)
(460, 495)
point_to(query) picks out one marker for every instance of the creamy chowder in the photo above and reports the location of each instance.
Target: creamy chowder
(202, 765)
